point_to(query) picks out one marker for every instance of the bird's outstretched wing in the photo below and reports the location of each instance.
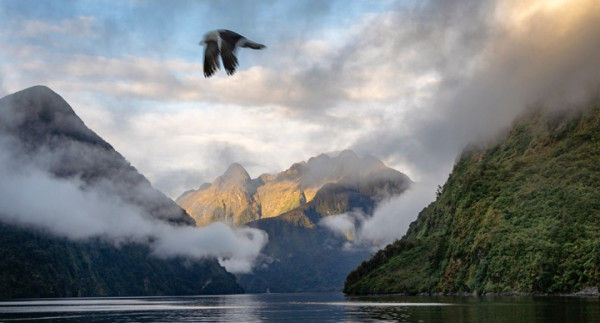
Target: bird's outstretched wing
(230, 62)
(230, 37)
(211, 58)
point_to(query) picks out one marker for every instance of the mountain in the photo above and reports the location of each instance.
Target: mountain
(236, 198)
(301, 254)
(44, 126)
(519, 215)
(228, 199)
(40, 131)
(36, 264)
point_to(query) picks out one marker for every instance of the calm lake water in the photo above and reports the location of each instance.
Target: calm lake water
(327, 307)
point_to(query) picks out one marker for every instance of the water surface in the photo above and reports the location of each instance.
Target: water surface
(326, 307)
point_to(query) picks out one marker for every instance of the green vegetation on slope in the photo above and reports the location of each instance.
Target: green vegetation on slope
(518, 216)
(35, 264)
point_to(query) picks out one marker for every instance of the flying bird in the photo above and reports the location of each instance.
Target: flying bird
(224, 42)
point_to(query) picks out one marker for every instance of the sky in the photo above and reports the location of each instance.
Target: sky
(409, 82)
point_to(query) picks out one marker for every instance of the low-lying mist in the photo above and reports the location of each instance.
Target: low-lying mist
(388, 223)
(30, 196)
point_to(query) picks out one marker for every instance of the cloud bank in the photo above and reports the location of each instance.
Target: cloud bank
(410, 82)
(388, 223)
(31, 197)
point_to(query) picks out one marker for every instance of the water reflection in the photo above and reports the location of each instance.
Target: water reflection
(328, 307)
(488, 309)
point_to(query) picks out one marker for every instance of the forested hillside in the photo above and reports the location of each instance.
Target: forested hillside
(520, 215)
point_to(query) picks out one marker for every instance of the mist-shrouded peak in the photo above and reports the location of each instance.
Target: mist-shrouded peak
(325, 233)
(38, 114)
(532, 194)
(235, 197)
(40, 127)
(61, 177)
(295, 171)
(347, 165)
(235, 174)
(348, 155)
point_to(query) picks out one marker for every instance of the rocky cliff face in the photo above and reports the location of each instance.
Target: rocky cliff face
(301, 255)
(236, 198)
(229, 198)
(520, 215)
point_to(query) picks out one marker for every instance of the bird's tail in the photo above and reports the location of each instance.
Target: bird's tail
(250, 44)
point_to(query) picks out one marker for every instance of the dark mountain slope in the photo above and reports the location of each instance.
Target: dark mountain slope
(518, 216)
(40, 131)
(47, 131)
(35, 264)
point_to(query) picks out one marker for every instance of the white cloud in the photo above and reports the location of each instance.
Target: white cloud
(411, 85)
(392, 217)
(344, 225)
(201, 143)
(31, 197)
(388, 223)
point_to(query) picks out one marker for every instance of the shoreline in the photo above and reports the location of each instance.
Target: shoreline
(588, 292)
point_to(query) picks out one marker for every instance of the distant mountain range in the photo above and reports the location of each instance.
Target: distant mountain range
(302, 254)
(41, 135)
(38, 127)
(237, 199)
(519, 215)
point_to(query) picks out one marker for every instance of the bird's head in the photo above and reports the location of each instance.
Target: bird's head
(210, 36)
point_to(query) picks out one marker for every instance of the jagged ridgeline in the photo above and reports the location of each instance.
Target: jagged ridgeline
(37, 127)
(521, 215)
(236, 198)
(301, 254)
